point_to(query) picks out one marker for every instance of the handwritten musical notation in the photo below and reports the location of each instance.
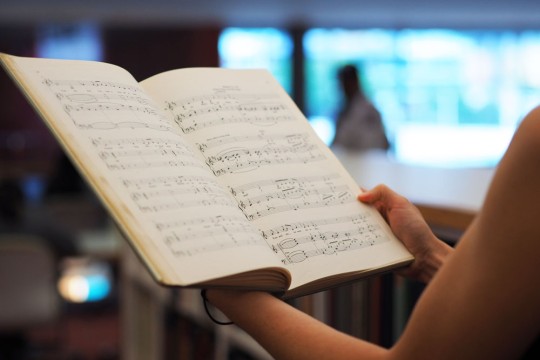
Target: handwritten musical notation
(262, 198)
(197, 113)
(106, 105)
(297, 242)
(207, 234)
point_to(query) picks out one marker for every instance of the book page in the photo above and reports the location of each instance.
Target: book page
(285, 179)
(186, 226)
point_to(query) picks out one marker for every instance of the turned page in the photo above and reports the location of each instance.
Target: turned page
(182, 223)
(285, 179)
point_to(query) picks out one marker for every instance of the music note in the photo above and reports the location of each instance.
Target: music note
(206, 234)
(271, 196)
(297, 242)
(197, 113)
(119, 105)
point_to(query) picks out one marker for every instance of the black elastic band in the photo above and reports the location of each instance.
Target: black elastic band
(205, 302)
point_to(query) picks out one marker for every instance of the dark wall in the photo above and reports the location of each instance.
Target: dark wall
(26, 146)
(148, 51)
(25, 143)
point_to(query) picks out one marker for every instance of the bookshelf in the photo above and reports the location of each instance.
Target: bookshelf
(163, 323)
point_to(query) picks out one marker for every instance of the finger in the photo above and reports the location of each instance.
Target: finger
(378, 193)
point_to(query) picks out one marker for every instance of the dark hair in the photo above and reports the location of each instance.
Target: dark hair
(348, 72)
(349, 77)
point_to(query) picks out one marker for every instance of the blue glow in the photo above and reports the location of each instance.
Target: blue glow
(263, 48)
(99, 287)
(84, 280)
(78, 42)
(432, 84)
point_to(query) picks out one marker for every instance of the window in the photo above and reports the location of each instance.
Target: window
(265, 48)
(447, 97)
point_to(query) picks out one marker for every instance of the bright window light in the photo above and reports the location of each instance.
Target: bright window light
(452, 146)
(264, 48)
(324, 127)
(447, 97)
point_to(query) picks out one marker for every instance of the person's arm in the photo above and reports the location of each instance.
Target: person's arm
(284, 331)
(290, 334)
(481, 304)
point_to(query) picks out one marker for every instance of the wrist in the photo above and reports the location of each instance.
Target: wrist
(432, 260)
(230, 299)
(233, 303)
(207, 308)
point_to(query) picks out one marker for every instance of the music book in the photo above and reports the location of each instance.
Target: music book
(214, 175)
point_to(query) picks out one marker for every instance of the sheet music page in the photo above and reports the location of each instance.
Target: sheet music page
(285, 179)
(137, 159)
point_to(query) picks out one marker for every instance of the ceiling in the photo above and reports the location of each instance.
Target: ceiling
(284, 13)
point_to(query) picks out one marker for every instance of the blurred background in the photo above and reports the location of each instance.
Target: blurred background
(451, 80)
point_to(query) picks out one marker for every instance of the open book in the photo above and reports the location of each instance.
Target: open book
(214, 175)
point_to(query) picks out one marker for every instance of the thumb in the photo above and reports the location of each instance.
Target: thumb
(378, 193)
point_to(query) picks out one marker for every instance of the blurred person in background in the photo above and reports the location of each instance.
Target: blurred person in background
(359, 124)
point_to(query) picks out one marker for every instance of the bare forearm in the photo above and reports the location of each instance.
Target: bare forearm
(286, 332)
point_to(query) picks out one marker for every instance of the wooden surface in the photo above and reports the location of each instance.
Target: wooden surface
(447, 197)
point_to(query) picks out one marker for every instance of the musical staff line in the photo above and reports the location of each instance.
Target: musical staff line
(257, 152)
(139, 163)
(197, 113)
(119, 105)
(144, 153)
(207, 234)
(296, 242)
(262, 198)
(161, 194)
